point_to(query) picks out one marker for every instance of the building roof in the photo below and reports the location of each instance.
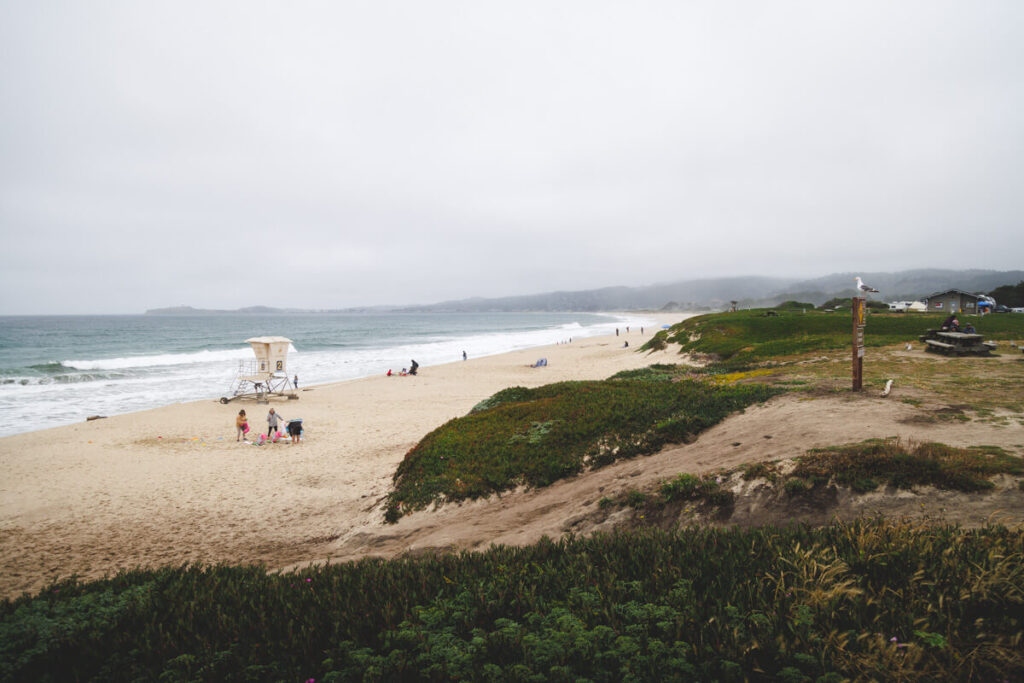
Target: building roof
(954, 291)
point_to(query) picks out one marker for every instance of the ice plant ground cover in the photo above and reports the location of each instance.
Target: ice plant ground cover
(870, 600)
(538, 436)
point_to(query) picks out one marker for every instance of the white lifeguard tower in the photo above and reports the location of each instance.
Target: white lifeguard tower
(264, 375)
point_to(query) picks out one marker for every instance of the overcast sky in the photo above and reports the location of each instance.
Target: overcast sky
(335, 154)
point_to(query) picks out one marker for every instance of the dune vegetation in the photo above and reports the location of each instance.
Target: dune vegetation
(535, 437)
(744, 338)
(871, 600)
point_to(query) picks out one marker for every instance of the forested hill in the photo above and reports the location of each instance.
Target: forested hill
(707, 293)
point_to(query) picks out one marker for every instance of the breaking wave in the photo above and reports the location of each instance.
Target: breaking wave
(159, 360)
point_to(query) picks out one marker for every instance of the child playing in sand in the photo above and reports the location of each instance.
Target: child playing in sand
(272, 420)
(242, 425)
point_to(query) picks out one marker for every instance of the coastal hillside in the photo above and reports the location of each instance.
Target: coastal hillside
(958, 402)
(696, 295)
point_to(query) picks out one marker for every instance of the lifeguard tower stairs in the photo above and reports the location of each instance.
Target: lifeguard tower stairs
(265, 375)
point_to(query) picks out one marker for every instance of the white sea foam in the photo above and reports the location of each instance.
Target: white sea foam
(120, 385)
(164, 359)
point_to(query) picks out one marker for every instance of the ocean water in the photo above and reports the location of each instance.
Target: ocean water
(58, 370)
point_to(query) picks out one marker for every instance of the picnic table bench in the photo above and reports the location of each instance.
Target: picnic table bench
(956, 343)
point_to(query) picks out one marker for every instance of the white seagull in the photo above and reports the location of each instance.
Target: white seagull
(863, 287)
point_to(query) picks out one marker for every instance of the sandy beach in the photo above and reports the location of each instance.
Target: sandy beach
(171, 485)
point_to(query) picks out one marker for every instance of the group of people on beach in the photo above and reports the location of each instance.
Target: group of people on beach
(274, 421)
(413, 367)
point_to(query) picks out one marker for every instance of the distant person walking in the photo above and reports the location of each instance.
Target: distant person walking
(241, 426)
(463, 355)
(616, 332)
(412, 368)
(295, 381)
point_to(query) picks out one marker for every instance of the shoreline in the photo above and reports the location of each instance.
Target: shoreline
(37, 397)
(170, 485)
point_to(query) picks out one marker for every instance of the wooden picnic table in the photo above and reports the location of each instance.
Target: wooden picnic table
(956, 343)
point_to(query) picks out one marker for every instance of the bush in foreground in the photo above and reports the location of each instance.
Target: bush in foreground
(871, 600)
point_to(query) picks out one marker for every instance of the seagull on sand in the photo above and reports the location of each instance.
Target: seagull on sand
(861, 287)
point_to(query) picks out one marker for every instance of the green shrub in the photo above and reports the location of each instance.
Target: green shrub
(867, 465)
(636, 499)
(796, 486)
(538, 436)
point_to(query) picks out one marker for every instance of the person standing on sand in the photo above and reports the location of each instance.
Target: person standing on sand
(463, 355)
(295, 381)
(272, 419)
(241, 425)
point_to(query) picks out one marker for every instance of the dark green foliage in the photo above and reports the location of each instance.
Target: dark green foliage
(690, 487)
(797, 486)
(871, 600)
(538, 436)
(866, 466)
(795, 306)
(658, 372)
(1009, 295)
(759, 470)
(510, 395)
(636, 499)
(746, 337)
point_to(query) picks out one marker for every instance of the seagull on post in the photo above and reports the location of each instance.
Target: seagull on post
(863, 288)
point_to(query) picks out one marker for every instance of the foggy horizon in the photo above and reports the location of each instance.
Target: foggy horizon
(329, 156)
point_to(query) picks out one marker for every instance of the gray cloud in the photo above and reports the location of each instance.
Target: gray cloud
(339, 154)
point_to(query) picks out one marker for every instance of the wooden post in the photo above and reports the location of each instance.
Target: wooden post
(858, 343)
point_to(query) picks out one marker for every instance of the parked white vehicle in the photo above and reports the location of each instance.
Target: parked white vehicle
(907, 306)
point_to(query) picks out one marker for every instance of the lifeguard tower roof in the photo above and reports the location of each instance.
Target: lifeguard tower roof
(268, 340)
